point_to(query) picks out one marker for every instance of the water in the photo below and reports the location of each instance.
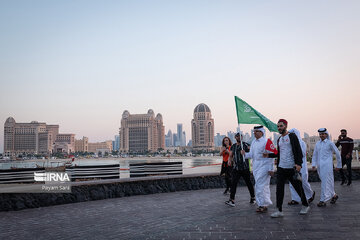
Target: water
(190, 165)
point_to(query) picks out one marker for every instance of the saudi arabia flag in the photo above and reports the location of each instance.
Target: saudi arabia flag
(248, 115)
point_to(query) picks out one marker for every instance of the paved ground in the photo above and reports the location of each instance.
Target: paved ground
(198, 214)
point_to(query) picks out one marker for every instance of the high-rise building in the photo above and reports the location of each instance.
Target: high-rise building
(218, 139)
(202, 128)
(116, 143)
(231, 135)
(179, 139)
(183, 139)
(179, 134)
(28, 138)
(141, 132)
(169, 142)
(82, 145)
(175, 140)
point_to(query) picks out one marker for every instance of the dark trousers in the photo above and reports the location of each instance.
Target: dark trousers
(346, 162)
(226, 170)
(284, 174)
(245, 174)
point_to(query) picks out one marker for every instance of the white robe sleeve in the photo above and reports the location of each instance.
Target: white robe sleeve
(337, 153)
(314, 160)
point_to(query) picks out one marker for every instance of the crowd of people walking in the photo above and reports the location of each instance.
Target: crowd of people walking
(290, 158)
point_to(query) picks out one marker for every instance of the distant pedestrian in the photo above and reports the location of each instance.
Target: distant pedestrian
(226, 166)
(309, 193)
(347, 146)
(289, 161)
(263, 168)
(323, 160)
(240, 169)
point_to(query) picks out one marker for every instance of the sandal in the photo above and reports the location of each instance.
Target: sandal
(261, 209)
(293, 202)
(321, 204)
(333, 199)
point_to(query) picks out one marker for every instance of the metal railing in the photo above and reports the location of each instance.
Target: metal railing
(93, 172)
(151, 169)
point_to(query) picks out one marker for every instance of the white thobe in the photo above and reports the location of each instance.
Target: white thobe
(304, 175)
(261, 168)
(323, 161)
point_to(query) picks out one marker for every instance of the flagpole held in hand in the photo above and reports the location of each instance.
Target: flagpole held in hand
(242, 149)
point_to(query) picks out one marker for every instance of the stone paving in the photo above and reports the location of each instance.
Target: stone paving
(199, 214)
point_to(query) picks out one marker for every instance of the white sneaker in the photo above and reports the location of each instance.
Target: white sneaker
(230, 203)
(277, 214)
(304, 210)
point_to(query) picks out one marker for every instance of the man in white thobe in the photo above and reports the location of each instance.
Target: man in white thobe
(309, 193)
(323, 161)
(262, 168)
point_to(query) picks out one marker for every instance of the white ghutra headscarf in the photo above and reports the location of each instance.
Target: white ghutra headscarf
(262, 129)
(324, 130)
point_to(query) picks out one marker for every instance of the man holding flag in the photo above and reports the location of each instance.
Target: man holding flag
(263, 168)
(248, 115)
(289, 153)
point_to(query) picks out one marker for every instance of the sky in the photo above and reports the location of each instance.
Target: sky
(80, 64)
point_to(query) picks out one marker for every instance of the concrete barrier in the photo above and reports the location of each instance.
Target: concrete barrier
(103, 189)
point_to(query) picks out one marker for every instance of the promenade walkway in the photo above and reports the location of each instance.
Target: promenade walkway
(199, 214)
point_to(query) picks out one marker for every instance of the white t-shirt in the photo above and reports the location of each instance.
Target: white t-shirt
(286, 153)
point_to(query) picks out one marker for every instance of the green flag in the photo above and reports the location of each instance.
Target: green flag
(247, 114)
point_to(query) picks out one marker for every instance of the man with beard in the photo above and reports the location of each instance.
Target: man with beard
(240, 169)
(289, 161)
(347, 146)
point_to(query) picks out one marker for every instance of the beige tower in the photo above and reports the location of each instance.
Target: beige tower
(141, 132)
(202, 128)
(9, 137)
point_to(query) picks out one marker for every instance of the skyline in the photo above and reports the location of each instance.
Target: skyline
(233, 131)
(81, 64)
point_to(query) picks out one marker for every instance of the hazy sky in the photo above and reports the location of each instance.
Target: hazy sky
(80, 64)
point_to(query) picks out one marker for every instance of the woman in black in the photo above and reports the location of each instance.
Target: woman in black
(226, 167)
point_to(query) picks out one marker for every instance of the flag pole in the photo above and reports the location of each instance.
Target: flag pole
(240, 136)
(241, 143)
